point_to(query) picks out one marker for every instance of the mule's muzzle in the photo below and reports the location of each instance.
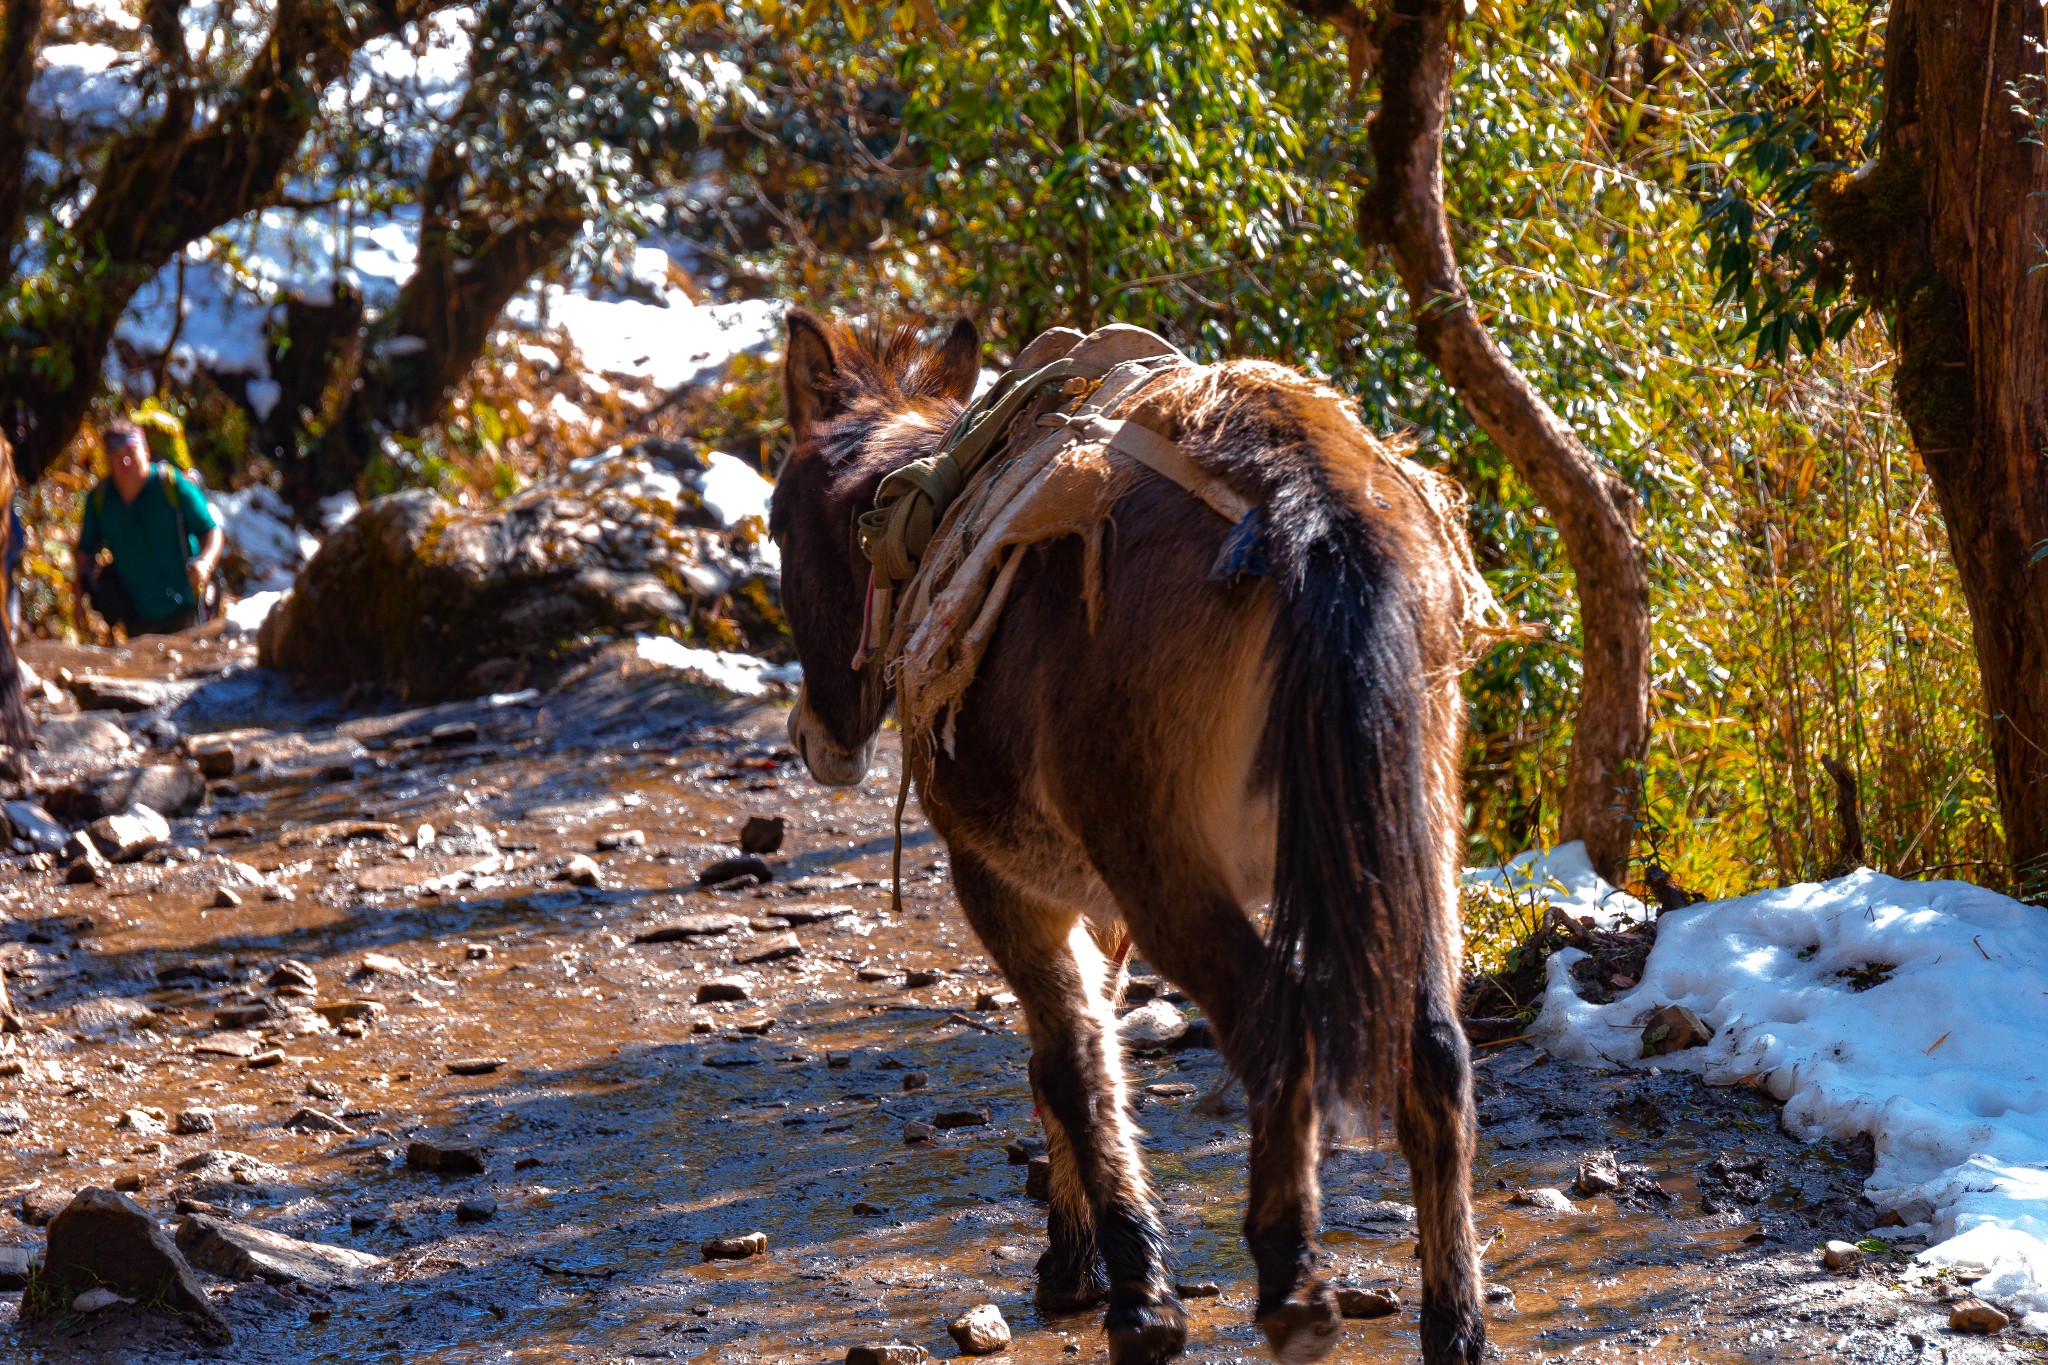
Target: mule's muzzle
(830, 765)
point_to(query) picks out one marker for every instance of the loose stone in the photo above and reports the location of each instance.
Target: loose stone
(478, 1208)
(1599, 1173)
(980, 1331)
(736, 1248)
(1973, 1315)
(1545, 1198)
(721, 989)
(960, 1118)
(773, 948)
(762, 834)
(1841, 1257)
(1367, 1303)
(888, 1353)
(475, 1066)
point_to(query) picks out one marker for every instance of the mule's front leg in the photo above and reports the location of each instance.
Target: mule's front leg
(1077, 1074)
(1071, 1278)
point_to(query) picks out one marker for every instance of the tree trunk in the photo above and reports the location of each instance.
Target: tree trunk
(162, 189)
(20, 28)
(1403, 209)
(469, 269)
(1945, 231)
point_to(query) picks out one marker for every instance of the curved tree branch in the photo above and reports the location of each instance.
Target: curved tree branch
(1403, 209)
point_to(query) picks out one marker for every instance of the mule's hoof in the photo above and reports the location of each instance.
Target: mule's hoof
(1303, 1328)
(1456, 1337)
(1062, 1289)
(1145, 1333)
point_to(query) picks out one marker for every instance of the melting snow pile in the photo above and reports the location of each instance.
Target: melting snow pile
(741, 674)
(1912, 1011)
(1563, 877)
(258, 524)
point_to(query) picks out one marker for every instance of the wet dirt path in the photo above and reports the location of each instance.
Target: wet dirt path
(626, 1123)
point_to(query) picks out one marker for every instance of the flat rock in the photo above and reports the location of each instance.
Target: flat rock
(887, 1353)
(169, 788)
(1038, 1178)
(1383, 1216)
(728, 870)
(29, 822)
(474, 1066)
(813, 914)
(237, 1251)
(16, 1265)
(1841, 1257)
(980, 1331)
(105, 1240)
(1158, 1024)
(689, 927)
(193, 1121)
(97, 692)
(769, 948)
(477, 1208)
(81, 736)
(125, 837)
(721, 989)
(960, 1118)
(1545, 1198)
(736, 1248)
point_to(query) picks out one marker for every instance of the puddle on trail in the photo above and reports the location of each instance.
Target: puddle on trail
(628, 1124)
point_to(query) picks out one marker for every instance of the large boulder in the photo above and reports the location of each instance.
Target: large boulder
(105, 1240)
(435, 601)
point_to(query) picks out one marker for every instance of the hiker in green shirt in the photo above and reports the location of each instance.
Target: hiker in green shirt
(147, 544)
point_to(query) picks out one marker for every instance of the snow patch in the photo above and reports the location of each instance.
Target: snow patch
(1912, 1011)
(258, 524)
(742, 674)
(734, 490)
(247, 616)
(667, 344)
(1563, 877)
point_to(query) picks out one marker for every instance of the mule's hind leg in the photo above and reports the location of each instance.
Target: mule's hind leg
(1435, 1126)
(1208, 945)
(1059, 973)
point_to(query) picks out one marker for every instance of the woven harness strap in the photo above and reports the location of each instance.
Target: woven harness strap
(911, 501)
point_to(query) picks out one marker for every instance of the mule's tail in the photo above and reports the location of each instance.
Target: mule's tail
(1353, 900)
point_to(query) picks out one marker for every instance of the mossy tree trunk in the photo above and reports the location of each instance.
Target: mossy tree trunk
(1403, 210)
(1946, 232)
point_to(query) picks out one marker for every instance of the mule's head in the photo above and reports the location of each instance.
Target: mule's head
(860, 405)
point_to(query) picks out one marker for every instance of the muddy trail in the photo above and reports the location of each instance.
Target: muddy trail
(464, 889)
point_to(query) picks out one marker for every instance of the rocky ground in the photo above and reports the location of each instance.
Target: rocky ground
(437, 992)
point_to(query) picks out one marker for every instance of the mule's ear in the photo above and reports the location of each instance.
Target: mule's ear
(959, 363)
(810, 374)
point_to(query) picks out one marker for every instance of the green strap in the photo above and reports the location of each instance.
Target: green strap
(910, 502)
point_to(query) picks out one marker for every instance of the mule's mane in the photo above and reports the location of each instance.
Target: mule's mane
(886, 366)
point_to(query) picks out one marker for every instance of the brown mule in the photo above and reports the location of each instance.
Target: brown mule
(1162, 764)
